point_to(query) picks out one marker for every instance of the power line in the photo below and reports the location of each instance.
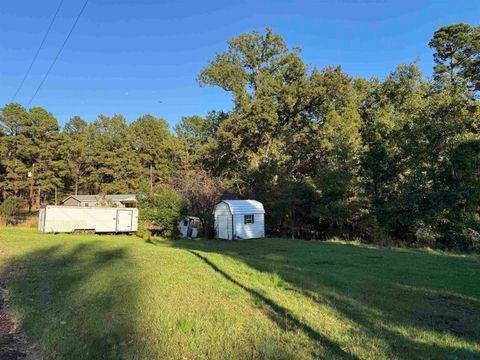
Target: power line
(58, 53)
(38, 51)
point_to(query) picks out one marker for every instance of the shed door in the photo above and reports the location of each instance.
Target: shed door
(223, 227)
(124, 220)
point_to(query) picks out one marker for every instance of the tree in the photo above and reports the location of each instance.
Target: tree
(389, 111)
(115, 167)
(194, 132)
(156, 148)
(288, 122)
(13, 119)
(202, 191)
(75, 147)
(161, 209)
(457, 55)
(273, 95)
(43, 152)
(10, 208)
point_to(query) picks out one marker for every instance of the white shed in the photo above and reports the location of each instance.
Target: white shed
(239, 219)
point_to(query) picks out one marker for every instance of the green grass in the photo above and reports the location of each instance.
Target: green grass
(101, 297)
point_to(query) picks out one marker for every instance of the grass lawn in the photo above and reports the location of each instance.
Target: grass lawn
(101, 297)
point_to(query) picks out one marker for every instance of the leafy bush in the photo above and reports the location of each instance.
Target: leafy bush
(425, 234)
(467, 240)
(161, 210)
(10, 208)
(463, 232)
(471, 239)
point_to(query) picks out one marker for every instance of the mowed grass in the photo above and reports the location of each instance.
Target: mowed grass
(110, 297)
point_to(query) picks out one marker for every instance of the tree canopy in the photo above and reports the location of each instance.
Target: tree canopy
(393, 159)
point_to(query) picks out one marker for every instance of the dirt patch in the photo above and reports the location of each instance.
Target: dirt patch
(450, 314)
(14, 344)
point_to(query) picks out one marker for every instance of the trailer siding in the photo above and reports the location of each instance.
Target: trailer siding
(63, 219)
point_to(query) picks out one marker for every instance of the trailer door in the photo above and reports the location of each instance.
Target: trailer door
(124, 220)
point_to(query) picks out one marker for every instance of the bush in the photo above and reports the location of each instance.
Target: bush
(463, 233)
(471, 239)
(465, 240)
(10, 208)
(161, 210)
(425, 234)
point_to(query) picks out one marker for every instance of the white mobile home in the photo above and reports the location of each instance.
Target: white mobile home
(69, 219)
(239, 219)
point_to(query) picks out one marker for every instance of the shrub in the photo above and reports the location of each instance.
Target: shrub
(425, 234)
(464, 233)
(10, 208)
(471, 239)
(465, 240)
(161, 210)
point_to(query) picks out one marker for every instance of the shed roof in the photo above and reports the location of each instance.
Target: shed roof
(245, 206)
(119, 197)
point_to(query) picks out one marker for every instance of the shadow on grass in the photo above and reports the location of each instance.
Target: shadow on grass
(406, 300)
(67, 302)
(279, 314)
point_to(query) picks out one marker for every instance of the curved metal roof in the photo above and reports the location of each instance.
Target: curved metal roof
(245, 206)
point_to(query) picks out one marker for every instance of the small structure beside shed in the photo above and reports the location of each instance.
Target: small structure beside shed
(189, 227)
(120, 200)
(239, 219)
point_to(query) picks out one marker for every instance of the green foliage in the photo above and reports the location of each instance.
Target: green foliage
(457, 55)
(10, 208)
(156, 149)
(162, 209)
(395, 160)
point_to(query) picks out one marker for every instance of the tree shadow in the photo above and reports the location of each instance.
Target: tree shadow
(77, 300)
(58, 310)
(279, 314)
(407, 300)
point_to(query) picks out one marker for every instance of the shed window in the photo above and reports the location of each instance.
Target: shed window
(249, 219)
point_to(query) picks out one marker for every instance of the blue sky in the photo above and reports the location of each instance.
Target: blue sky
(136, 57)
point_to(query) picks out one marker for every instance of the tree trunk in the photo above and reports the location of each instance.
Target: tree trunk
(30, 192)
(151, 177)
(77, 179)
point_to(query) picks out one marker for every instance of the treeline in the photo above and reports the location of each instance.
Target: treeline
(396, 159)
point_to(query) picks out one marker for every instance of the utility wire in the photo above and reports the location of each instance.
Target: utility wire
(38, 51)
(58, 53)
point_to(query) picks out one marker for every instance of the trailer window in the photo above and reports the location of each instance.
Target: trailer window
(249, 219)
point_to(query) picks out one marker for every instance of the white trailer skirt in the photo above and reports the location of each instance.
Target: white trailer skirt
(67, 219)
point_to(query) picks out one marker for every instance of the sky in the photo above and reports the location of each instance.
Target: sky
(142, 57)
